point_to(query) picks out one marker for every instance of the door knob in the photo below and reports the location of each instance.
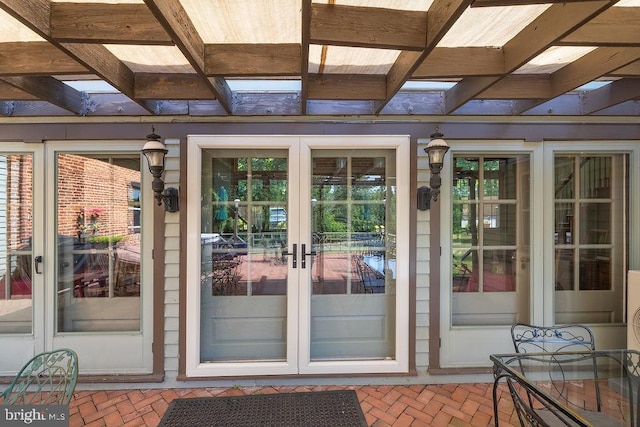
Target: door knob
(305, 254)
(294, 252)
(38, 261)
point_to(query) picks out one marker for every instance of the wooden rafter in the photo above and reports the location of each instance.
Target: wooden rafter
(363, 56)
(36, 58)
(50, 89)
(35, 14)
(555, 23)
(589, 67)
(177, 23)
(106, 23)
(611, 94)
(440, 18)
(380, 28)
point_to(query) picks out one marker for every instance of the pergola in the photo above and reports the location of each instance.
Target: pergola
(345, 58)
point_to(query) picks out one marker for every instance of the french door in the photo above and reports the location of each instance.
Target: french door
(299, 262)
(535, 233)
(71, 273)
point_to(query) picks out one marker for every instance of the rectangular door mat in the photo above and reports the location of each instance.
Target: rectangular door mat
(336, 408)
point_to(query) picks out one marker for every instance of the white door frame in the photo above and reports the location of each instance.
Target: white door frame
(470, 346)
(17, 348)
(298, 298)
(126, 352)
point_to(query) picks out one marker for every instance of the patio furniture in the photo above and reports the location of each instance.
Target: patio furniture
(558, 388)
(560, 338)
(47, 378)
(373, 282)
(532, 338)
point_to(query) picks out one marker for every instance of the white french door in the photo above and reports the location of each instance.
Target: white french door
(534, 233)
(71, 271)
(294, 265)
(22, 293)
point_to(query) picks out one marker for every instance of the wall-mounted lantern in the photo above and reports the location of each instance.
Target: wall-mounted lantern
(155, 152)
(435, 149)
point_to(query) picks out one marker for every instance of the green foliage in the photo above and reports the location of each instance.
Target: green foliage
(105, 239)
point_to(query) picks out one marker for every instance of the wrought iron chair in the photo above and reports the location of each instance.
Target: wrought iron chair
(48, 378)
(535, 339)
(561, 338)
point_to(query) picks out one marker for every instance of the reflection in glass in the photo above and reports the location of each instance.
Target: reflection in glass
(490, 238)
(244, 261)
(591, 198)
(353, 221)
(16, 213)
(98, 243)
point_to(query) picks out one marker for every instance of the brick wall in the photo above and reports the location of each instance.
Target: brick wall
(95, 194)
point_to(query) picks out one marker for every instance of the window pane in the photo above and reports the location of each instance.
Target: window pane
(16, 213)
(490, 240)
(98, 251)
(243, 276)
(590, 238)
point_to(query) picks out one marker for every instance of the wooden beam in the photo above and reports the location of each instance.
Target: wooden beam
(36, 58)
(347, 87)
(591, 66)
(9, 92)
(94, 57)
(631, 70)
(586, 69)
(106, 23)
(252, 59)
(520, 86)
(304, 55)
(50, 90)
(611, 94)
(616, 26)
(493, 3)
(451, 62)
(372, 27)
(552, 25)
(177, 23)
(440, 18)
(103, 63)
(170, 86)
(35, 12)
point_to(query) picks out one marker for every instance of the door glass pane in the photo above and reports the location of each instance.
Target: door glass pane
(591, 200)
(244, 225)
(98, 243)
(490, 240)
(16, 215)
(353, 209)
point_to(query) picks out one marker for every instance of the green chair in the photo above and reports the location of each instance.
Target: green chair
(48, 378)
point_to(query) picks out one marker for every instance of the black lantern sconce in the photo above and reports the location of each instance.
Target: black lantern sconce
(435, 149)
(155, 152)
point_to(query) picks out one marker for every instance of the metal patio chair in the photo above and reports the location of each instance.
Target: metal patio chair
(560, 338)
(47, 378)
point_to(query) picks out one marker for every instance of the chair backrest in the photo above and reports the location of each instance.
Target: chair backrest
(48, 378)
(535, 339)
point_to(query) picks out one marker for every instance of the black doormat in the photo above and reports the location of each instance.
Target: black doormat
(336, 408)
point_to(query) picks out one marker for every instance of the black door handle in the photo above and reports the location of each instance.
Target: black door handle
(38, 261)
(305, 254)
(295, 255)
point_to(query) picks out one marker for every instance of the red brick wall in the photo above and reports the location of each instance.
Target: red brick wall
(87, 187)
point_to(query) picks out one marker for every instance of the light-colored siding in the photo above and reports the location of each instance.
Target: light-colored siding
(172, 256)
(422, 270)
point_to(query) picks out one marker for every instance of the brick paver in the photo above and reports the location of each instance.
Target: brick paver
(385, 405)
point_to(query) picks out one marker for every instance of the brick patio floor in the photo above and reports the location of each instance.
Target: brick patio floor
(385, 405)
